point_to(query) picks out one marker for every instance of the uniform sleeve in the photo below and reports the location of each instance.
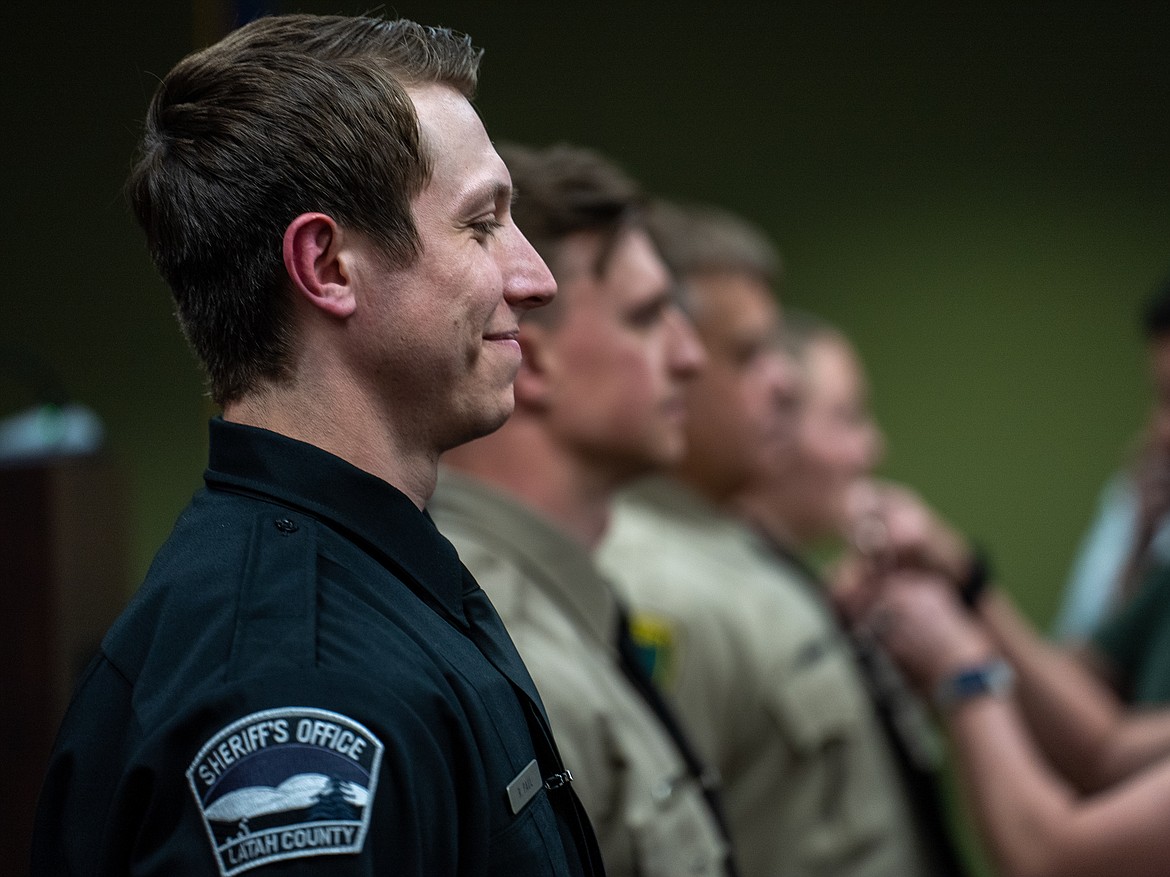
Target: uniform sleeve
(590, 750)
(74, 811)
(367, 783)
(257, 783)
(1092, 581)
(1123, 639)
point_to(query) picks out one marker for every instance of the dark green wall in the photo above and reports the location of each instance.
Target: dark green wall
(83, 295)
(980, 198)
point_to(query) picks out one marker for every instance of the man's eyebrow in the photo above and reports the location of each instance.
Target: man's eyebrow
(658, 300)
(491, 193)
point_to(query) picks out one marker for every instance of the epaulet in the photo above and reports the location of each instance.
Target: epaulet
(276, 619)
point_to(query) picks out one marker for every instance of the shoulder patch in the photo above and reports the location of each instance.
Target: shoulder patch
(285, 784)
(656, 642)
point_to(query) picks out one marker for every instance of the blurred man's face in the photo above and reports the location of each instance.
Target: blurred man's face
(618, 357)
(740, 406)
(838, 442)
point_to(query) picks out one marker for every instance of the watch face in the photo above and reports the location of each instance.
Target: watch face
(993, 678)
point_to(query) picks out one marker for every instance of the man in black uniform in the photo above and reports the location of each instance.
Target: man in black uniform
(309, 681)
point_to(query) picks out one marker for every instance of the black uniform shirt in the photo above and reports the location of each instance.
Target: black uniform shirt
(308, 682)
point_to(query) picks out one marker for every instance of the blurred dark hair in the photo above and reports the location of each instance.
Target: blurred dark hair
(700, 239)
(564, 190)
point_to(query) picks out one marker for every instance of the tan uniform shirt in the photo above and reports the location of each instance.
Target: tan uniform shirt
(767, 684)
(649, 814)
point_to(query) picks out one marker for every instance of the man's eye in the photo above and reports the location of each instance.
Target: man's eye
(646, 316)
(746, 354)
(485, 228)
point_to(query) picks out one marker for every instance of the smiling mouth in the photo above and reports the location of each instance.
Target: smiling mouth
(510, 335)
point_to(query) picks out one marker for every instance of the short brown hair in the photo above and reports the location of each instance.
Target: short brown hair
(287, 115)
(802, 329)
(563, 190)
(700, 239)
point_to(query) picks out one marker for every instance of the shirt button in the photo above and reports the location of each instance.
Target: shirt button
(284, 525)
(662, 790)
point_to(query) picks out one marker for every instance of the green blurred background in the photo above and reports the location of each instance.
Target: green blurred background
(979, 195)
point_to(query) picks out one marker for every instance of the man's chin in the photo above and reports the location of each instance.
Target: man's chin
(487, 421)
(662, 456)
(669, 452)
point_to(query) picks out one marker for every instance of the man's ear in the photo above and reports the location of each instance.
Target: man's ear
(533, 384)
(318, 265)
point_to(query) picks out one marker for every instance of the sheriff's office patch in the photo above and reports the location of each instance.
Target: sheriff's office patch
(656, 644)
(285, 784)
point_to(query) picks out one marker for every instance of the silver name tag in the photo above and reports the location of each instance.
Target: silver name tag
(524, 788)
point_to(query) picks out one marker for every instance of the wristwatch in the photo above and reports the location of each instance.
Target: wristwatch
(992, 678)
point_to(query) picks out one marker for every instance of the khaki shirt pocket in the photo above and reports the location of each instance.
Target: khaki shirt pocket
(823, 714)
(675, 834)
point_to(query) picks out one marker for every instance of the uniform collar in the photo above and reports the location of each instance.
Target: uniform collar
(358, 504)
(560, 566)
(790, 557)
(672, 498)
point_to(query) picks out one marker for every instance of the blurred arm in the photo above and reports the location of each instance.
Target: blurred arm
(1033, 822)
(1087, 733)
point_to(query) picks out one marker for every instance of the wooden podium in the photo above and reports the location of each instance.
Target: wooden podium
(64, 577)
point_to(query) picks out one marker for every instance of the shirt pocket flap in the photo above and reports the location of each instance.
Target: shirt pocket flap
(817, 697)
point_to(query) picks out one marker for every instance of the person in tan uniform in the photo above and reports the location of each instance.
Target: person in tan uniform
(825, 497)
(750, 654)
(819, 497)
(599, 400)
